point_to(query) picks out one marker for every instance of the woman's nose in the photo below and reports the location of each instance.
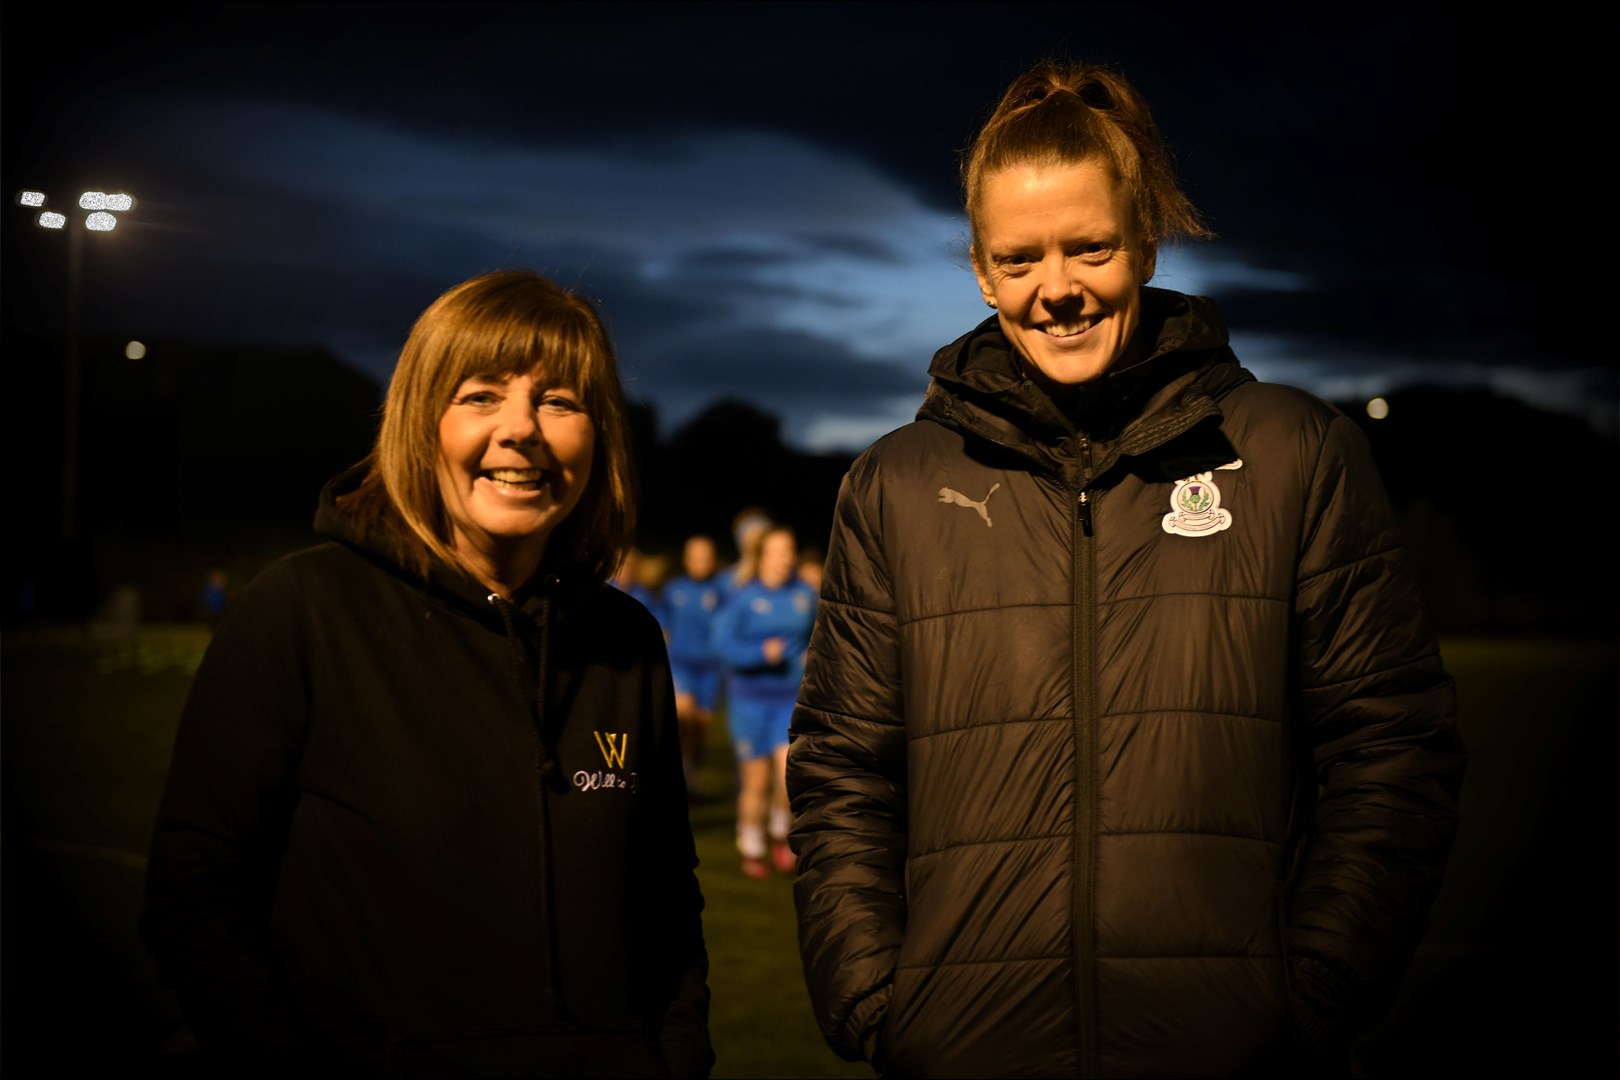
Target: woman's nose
(1058, 282)
(519, 425)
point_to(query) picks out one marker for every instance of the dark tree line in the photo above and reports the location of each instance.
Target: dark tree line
(727, 459)
(196, 457)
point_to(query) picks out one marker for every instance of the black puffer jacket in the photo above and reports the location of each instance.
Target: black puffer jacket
(411, 829)
(1069, 700)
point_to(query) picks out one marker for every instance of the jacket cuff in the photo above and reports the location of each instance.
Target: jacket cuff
(865, 1021)
(1316, 1002)
(687, 1057)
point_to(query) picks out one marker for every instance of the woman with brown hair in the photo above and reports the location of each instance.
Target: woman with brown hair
(760, 634)
(1124, 747)
(426, 813)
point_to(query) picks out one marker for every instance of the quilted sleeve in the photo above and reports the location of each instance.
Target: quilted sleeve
(846, 779)
(1380, 711)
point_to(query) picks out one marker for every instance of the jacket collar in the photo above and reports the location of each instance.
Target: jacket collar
(978, 387)
(450, 584)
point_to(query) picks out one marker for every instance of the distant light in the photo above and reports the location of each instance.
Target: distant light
(50, 219)
(31, 198)
(119, 202)
(1377, 408)
(134, 350)
(93, 200)
(100, 221)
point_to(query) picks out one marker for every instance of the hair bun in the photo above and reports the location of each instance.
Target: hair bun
(1094, 93)
(1057, 112)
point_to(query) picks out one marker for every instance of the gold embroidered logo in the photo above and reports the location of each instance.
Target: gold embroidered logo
(613, 747)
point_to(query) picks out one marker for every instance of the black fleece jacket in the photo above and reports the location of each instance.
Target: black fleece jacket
(414, 829)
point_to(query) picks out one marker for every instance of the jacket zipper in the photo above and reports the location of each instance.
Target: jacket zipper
(1085, 767)
(543, 768)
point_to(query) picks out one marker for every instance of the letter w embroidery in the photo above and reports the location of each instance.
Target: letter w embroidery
(951, 495)
(613, 750)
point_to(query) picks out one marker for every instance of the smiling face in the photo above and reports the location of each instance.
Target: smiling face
(1057, 253)
(515, 456)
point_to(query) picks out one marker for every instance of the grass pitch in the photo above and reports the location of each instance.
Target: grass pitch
(88, 721)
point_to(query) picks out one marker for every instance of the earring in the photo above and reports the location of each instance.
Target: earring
(990, 300)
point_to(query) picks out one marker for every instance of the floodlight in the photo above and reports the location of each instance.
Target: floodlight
(50, 219)
(31, 198)
(93, 200)
(100, 221)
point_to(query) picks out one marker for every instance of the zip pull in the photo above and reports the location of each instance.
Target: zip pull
(1085, 511)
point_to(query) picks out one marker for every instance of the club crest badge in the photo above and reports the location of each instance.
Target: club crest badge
(1195, 504)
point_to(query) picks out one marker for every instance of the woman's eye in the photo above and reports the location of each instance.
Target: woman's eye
(559, 403)
(478, 397)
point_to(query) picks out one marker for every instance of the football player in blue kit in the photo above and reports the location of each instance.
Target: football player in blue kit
(761, 635)
(690, 603)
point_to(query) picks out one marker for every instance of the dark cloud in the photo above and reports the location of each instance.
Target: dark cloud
(736, 262)
(812, 371)
(805, 380)
(867, 248)
(737, 259)
(1379, 320)
(1409, 166)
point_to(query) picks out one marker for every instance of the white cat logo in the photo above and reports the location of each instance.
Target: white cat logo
(1195, 505)
(951, 495)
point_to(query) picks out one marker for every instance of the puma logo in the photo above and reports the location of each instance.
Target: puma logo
(951, 495)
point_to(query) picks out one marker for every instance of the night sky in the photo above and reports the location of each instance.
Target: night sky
(763, 198)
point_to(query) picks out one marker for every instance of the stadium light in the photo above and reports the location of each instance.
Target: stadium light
(102, 218)
(101, 205)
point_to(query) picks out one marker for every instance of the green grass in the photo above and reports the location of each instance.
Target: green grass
(88, 726)
(760, 1017)
(88, 723)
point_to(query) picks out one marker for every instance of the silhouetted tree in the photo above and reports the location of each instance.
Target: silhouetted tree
(730, 456)
(1499, 502)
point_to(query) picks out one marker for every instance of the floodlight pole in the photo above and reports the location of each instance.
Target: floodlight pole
(99, 220)
(71, 380)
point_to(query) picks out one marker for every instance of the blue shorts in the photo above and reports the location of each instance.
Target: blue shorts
(700, 679)
(759, 725)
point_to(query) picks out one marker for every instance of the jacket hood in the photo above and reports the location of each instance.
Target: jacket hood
(450, 583)
(978, 386)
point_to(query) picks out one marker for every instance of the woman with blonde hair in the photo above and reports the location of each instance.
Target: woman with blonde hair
(426, 814)
(1124, 747)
